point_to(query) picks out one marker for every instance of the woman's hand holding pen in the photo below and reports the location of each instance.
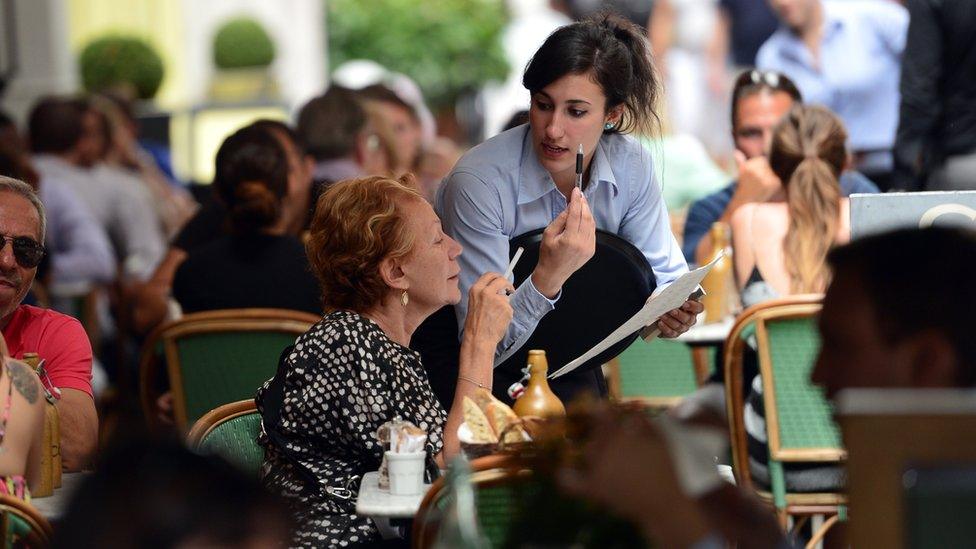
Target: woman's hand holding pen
(567, 244)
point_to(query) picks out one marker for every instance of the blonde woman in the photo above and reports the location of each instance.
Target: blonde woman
(780, 246)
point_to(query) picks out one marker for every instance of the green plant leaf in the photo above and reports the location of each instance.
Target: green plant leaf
(447, 46)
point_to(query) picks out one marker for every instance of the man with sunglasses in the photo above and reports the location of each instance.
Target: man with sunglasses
(759, 100)
(59, 340)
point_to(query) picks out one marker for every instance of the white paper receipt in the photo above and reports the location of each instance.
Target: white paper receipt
(670, 298)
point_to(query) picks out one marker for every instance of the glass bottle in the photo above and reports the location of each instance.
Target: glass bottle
(719, 284)
(538, 400)
(458, 519)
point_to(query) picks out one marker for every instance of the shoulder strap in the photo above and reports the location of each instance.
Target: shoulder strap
(273, 402)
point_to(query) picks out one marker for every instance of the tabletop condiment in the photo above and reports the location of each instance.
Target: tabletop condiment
(538, 400)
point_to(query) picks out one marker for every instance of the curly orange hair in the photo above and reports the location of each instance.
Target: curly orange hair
(357, 224)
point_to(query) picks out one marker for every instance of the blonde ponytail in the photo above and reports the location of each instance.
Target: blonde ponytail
(808, 154)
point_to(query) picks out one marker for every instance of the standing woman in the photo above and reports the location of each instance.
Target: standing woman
(591, 82)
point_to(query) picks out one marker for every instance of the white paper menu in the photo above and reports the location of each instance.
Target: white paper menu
(671, 297)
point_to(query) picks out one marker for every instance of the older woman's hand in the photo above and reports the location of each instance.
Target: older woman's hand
(678, 321)
(489, 312)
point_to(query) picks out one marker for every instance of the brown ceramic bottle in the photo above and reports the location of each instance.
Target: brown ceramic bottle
(538, 400)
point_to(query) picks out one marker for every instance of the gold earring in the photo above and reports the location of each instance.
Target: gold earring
(404, 298)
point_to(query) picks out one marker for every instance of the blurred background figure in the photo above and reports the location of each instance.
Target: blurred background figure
(679, 32)
(124, 154)
(846, 56)
(741, 27)
(69, 142)
(936, 146)
(258, 264)
(396, 118)
(334, 128)
(780, 248)
(213, 223)
(78, 250)
(760, 99)
(159, 494)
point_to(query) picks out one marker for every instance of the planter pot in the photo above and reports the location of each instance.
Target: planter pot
(241, 85)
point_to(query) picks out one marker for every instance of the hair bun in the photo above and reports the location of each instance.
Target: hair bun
(254, 206)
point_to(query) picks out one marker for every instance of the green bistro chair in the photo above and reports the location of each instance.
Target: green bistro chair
(230, 431)
(799, 423)
(494, 478)
(658, 373)
(23, 525)
(217, 357)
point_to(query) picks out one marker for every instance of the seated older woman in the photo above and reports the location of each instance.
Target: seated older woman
(384, 265)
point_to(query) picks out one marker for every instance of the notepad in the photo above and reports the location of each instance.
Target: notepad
(670, 298)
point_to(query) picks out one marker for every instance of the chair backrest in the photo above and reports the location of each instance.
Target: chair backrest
(656, 373)
(493, 477)
(231, 432)
(22, 525)
(799, 424)
(217, 357)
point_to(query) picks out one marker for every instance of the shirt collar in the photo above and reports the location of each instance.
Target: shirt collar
(535, 182)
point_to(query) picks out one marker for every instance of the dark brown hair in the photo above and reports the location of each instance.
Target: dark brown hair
(616, 51)
(251, 178)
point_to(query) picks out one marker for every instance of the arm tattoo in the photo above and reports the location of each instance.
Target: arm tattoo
(24, 380)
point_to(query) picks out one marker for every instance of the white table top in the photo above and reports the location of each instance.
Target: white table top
(708, 334)
(53, 506)
(374, 502)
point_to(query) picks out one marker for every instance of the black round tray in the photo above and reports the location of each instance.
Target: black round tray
(609, 289)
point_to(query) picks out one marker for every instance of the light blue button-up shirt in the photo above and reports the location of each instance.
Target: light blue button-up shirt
(499, 190)
(860, 65)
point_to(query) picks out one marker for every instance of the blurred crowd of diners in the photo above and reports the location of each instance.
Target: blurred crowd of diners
(805, 101)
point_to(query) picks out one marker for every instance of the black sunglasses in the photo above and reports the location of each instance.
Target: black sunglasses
(27, 251)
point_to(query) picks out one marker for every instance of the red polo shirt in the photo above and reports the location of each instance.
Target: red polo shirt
(58, 339)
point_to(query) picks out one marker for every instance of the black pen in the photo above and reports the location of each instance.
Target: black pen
(579, 167)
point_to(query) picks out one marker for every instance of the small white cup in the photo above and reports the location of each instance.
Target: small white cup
(406, 472)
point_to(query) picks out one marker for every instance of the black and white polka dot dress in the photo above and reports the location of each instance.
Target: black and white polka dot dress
(343, 379)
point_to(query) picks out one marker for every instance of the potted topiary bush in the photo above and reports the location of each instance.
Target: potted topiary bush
(124, 64)
(450, 47)
(243, 52)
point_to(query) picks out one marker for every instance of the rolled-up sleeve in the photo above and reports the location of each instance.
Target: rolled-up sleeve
(646, 224)
(472, 213)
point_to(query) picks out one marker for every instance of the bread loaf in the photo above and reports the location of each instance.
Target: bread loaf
(478, 423)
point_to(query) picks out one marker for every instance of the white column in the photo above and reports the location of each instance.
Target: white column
(46, 65)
